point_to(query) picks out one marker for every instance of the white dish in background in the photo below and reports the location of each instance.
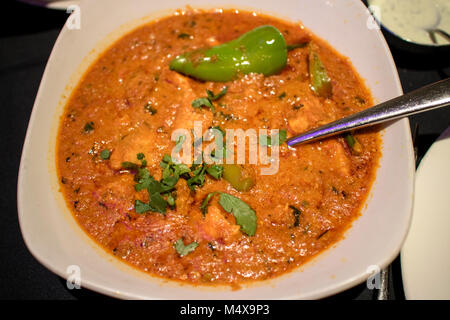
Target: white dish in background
(410, 19)
(57, 241)
(425, 256)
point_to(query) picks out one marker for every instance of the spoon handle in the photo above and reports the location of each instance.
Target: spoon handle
(430, 97)
(443, 33)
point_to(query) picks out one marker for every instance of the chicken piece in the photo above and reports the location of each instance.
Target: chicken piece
(185, 113)
(313, 114)
(339, 157)
(216, 227)
(314, 110)
(141, 140)
(187, 116)
(122, 238)
(116, 195)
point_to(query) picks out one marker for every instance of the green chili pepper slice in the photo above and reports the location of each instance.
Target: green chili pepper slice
(232, 173)
(320, 81)
(261, 50)
(353, 143)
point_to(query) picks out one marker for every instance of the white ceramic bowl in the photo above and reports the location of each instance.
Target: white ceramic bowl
(54, 238)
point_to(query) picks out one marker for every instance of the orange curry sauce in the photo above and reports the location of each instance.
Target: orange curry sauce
(324, 180)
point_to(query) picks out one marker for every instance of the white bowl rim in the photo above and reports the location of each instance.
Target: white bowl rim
(320, 293)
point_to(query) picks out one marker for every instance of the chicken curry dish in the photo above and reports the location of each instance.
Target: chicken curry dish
(203, 222)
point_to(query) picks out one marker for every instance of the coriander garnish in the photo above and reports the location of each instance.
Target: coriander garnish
(88, 127)
(245, 216)
(183, 249)
(215, 171)
(207, 101)
(278, 139)
(213, 97)
(203, 102)
(105, 154)
(149, 108)
(205, 203)
(184, 36)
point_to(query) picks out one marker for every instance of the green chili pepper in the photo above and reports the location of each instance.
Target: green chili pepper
(354, 145)
(232, 173)
(320, 81)
(261, 50)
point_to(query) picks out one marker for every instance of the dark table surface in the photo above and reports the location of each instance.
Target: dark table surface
(27, 35)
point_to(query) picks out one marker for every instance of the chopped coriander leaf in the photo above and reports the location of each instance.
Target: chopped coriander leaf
(297, 214)
(198, 179)
(157, 190)
(242, 212)
(207, 101)
(105, 154)
(149, 108)
(179, 143)
(140, 156)
(168, 183)
(184, 36)
(278, 139)
(194, 166)
(215, 171)
(166, 160)
(213, 97)
(360, 100)
(171, 200)
(172, 173)
(141, 207)
(172, 169)
(197, 168)
(182, 169)
(265, 140)
(282, 95)
(88, 127)
(183, 249)
(282, 135)
(203, 102)
(144, 180)
(220, 129)
(224, 153)
(158, 203)
(225, 116)
(205, 203)
(298, 106)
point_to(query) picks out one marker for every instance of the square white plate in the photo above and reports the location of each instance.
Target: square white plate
(55, 239)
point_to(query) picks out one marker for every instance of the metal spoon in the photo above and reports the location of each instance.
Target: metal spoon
(430, 97)
(433, 30)
(432, 33)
